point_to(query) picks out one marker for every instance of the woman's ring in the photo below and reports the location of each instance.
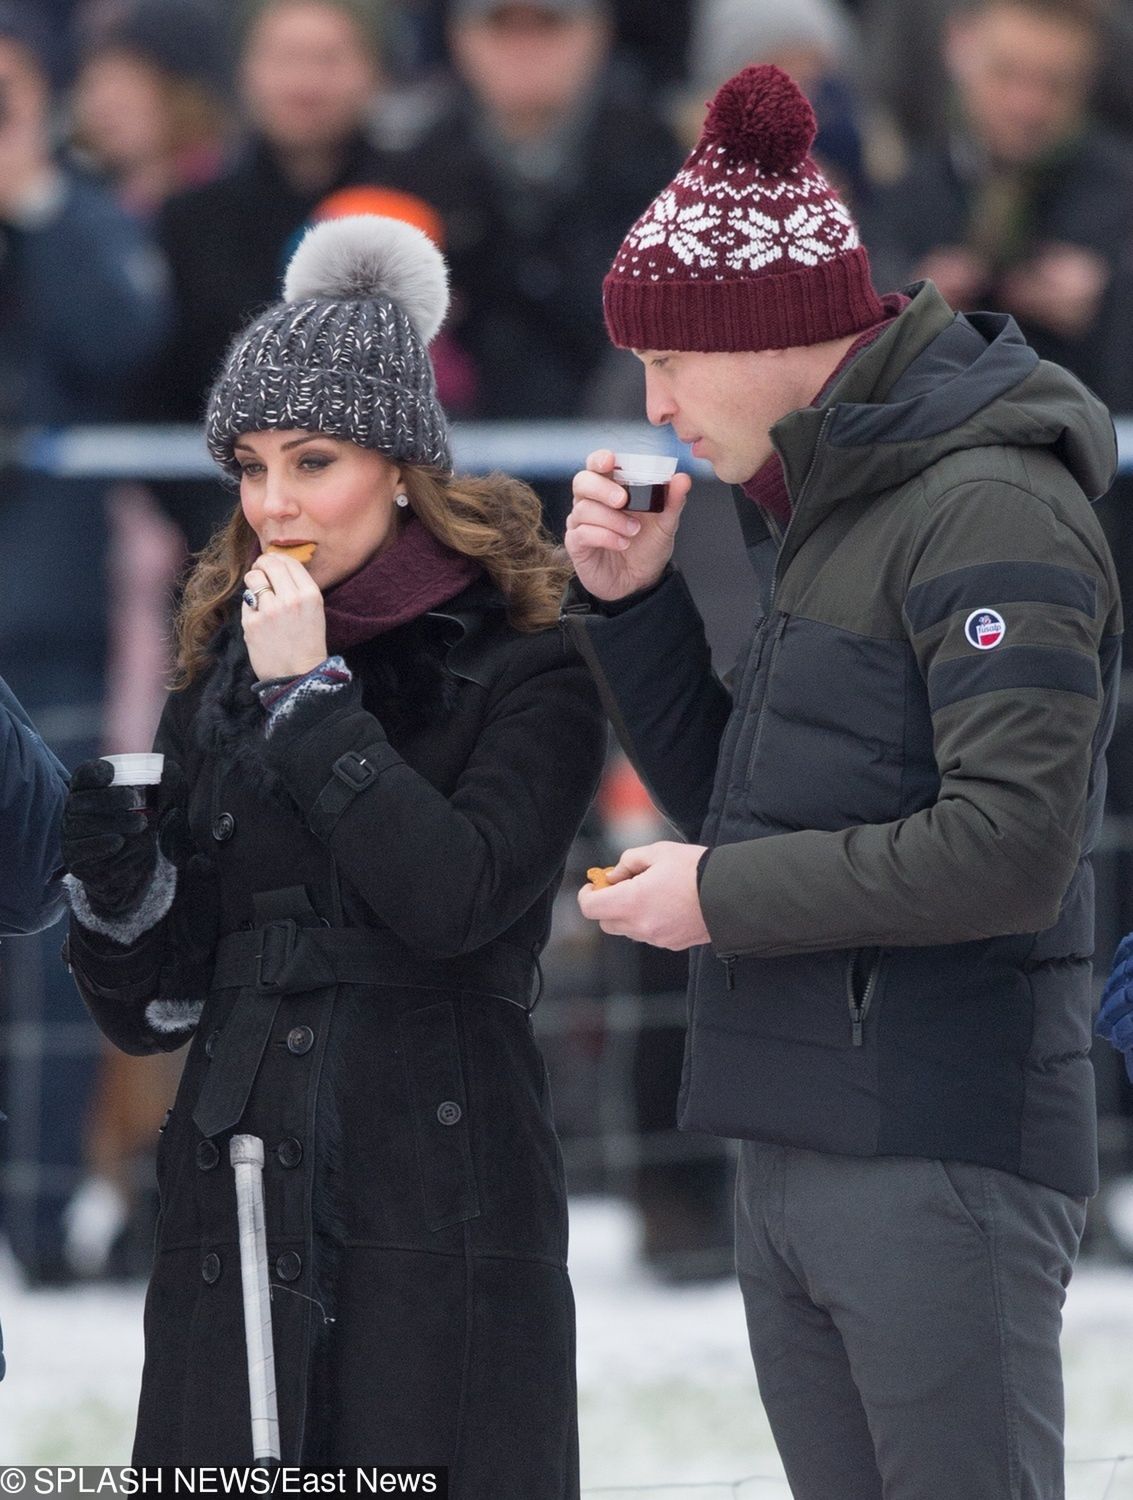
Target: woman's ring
(251, 597)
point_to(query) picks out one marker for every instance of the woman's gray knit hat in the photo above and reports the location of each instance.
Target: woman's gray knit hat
(346, 351)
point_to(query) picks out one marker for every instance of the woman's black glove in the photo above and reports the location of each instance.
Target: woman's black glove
(109, 842)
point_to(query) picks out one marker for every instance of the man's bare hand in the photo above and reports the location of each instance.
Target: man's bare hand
(615, 553)
(651, 897)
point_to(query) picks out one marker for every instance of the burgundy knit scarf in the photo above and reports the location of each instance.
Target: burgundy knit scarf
(768, 486)
(416, 574)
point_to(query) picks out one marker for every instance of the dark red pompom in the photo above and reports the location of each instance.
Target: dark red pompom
(763, 117)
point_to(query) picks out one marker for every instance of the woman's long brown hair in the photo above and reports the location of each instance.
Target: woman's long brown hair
(495, 519)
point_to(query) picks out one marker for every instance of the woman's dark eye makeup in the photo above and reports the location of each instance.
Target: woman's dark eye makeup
(253, 466)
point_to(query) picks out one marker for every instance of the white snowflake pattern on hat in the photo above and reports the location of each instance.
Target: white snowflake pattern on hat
(714, 237)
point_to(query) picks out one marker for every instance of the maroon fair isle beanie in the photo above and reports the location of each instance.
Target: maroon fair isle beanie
(748, 247)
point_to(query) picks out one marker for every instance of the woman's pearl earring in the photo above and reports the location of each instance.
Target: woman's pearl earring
(401, 500)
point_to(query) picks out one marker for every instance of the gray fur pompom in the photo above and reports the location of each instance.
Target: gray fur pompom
(365, 255)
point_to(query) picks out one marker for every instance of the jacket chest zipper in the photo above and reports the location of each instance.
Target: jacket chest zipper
(776, 579)
(727, 751)
(757, 730)
(859, 1008)
(729, 959)
(735, 727)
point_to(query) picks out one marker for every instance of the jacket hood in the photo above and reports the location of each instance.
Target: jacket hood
(934, 383)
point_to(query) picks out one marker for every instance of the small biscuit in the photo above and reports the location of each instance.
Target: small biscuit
(302, 552)
(599, 878)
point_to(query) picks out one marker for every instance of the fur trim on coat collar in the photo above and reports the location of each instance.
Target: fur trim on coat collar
(402, 673)
(229, 722)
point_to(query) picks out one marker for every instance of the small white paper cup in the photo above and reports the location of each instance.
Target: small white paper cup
(142, 768)
(643, 468)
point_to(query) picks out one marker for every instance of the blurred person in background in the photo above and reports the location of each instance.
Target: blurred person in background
(812, 40)
(905, 65)
(150, 114)
(83, 304)
(652, 42)
(904, 62)
(1028, 207)
(656, 38)
(308, 73)
(534, 169)
(150, 106)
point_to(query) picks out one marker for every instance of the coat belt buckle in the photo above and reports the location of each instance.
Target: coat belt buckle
(290, 960)
(278, 942)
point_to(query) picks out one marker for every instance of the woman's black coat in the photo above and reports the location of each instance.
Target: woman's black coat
(415, 1203)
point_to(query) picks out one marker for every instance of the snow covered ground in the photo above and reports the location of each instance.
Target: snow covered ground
(669, 1409)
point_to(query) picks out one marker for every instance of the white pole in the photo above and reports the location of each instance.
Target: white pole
(246, 1152)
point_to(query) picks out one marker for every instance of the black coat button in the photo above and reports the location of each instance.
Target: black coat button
(210, 1042)
(289, 1152)
(449, 1112)
(210, 1267)
(288, 1266)
(223, 828)
(300, 1039)
(208, 1154)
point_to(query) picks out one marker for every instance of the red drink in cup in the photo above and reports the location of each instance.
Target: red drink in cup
(645, 479)
(142, 771)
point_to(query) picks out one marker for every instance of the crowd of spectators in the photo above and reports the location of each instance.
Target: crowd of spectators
(159, 158)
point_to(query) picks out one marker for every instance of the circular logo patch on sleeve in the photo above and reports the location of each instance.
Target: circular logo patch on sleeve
(984, 629)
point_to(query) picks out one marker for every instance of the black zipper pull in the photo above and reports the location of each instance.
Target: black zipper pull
(860, 1006)
(729, 962)
(763, 635)
(761, 642)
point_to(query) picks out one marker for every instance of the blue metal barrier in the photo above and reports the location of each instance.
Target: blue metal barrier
(536, 450)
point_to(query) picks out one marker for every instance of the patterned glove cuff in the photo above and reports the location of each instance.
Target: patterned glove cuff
(282, 697)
